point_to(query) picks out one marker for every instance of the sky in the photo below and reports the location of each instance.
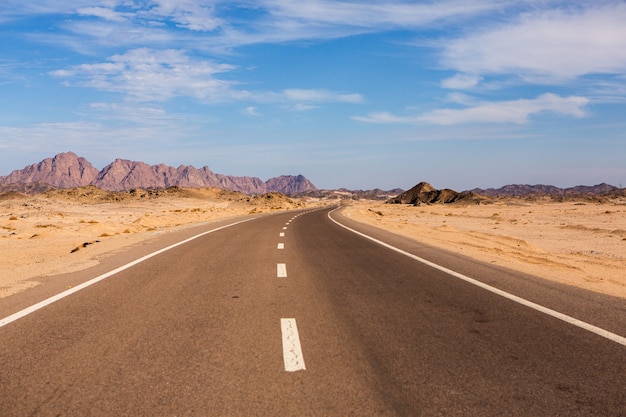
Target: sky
(358, 94)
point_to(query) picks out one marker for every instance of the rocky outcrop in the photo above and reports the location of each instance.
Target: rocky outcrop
(290, 184)
(65, 170)
(68, 170)
(424, 193)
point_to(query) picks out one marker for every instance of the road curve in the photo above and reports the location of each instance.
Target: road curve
(293, 315)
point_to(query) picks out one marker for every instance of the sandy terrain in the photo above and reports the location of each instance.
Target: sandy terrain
(66, 231)
(576, 243)
(581, 244)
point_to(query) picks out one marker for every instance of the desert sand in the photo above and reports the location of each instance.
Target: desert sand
(582, 244)
(577, 243)
(70, 230)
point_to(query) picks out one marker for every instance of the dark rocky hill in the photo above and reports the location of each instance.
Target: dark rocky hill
(424, 193)
(67, 170)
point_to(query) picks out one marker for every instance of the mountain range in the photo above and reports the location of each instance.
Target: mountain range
(538, 190)
(424, 193)
(68, 170)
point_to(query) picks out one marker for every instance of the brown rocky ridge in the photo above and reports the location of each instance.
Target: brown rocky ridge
(67, 170)
(555, 193)
(424, 193)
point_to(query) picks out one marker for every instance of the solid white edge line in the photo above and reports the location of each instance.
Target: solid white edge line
(292, 349)
(568, 319)
(48, 301)
(281, 270)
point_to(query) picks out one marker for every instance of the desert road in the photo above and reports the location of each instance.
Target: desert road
(291, 314)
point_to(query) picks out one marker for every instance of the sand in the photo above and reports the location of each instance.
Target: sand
(67, 231)
(576, 243)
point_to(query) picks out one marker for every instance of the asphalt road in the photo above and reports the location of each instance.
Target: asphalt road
(329, 324)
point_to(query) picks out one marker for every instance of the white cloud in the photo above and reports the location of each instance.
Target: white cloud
(312, 95)
(104, 13)
(252, 111)
(386, 118)
(514, 111)
(303, 107)
(130, 113)
(130, 22)
(148, 75)
(373, 14)
(460, 98)
(461, 82)
(189, 14)
(547, 46)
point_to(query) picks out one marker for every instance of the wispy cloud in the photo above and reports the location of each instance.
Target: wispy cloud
(148, 75)
(189, 14)
(104, 13)
(461, 81)
(545, 47)
(388, 14)
(256, 21)
(514, 111)
(318, 96)
(252, 111)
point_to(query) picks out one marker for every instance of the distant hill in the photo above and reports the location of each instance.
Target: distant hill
(345, 194)
(424, 193)
(539, 190)
(67, 170)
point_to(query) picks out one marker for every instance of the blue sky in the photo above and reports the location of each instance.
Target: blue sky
(356, 94)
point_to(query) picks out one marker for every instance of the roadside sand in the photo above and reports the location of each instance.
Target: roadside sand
(580, 244)
(576, 243)
(56, 233)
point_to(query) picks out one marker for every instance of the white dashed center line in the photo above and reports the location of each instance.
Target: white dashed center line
(281, 270)
(281, 246)
(282, 234)
(292, 350)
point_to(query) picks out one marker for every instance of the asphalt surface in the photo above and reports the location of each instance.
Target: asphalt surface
(196, 331)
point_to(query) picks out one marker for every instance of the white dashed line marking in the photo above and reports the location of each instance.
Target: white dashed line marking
(292, 350)
(281, 246)
(282, 234)
(285, 228)
(281, 270)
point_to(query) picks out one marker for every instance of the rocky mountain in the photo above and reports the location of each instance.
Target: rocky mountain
(289, 184)
(540, 190)
(424, 193)
(67, 170)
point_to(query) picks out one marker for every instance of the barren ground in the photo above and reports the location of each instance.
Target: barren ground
(576, 243)
(66, 231)
(580, 244)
